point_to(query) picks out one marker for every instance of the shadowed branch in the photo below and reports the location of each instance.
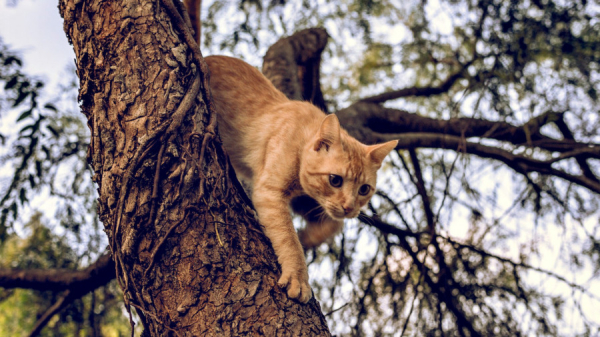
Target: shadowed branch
(78, 281)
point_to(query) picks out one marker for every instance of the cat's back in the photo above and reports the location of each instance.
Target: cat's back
(238, 87)
(248, 111)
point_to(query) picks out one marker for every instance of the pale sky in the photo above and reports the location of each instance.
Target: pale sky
(33, 28)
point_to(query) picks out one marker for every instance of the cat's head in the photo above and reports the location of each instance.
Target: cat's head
(338, 171)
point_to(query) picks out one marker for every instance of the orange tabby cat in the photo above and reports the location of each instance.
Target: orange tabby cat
(282, 149)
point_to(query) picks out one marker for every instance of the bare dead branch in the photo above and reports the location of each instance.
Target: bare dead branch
(516, 265)
(383, 226)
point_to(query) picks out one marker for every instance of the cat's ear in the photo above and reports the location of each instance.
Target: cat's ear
(329, 132)
(378, 152)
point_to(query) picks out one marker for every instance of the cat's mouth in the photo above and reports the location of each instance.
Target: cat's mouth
(339, 214)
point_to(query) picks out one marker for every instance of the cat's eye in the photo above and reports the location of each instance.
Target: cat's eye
(364, 189)
(335, 180)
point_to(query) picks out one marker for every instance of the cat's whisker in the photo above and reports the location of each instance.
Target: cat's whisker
(316, 208)
(322, 216)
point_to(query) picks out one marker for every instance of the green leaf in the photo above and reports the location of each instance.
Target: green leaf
(25, 128)
(24, 115)
(12, 59)
(23, 196)
(20, 98)
(38, 168)
(14, 210)
(32, 181)
(53, 130)
(11, 83)
(50, 106)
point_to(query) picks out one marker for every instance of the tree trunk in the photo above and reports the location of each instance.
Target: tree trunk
(190, 255)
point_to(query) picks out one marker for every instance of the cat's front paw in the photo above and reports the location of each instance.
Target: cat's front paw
(297, 284)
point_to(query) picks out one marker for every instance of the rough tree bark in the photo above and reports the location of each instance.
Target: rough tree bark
(189, 253)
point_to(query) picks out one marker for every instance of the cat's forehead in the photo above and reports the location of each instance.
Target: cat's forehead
(358, 166)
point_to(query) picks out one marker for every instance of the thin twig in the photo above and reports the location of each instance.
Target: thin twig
(423, 192)
(412, 305)
(336, 310)
(58, 306)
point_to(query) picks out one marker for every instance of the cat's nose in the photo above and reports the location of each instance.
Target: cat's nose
(347, 209)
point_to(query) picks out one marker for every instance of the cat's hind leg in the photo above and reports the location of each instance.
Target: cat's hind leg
(319, 226)
(315, 233)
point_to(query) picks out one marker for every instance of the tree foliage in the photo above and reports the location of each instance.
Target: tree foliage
(486, 218)
(46, 156)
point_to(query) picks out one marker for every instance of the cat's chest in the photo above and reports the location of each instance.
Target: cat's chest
(293, 188)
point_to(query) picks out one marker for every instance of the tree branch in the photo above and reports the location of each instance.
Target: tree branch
(423, 192)
(74, 283)
(519, 163)
(371, 123)
(78, 281)
(417, 91)
(57, 307)
(292, 65)
(193, 8)
(362, 118)
(386, 228)
(581, 160)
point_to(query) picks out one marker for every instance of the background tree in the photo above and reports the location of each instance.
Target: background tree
(486, 220)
